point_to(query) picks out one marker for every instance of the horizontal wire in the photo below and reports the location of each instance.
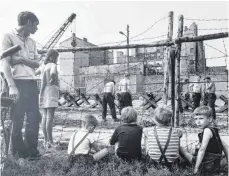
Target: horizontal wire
(213, 29)
(149, 27)
(226, 19)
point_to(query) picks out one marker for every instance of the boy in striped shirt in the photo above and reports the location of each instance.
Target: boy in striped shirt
(162, 142)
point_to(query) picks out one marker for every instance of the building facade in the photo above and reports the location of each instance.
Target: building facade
(70, 63)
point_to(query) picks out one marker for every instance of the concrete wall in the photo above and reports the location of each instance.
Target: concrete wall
(66, 74)
(188, 51)
(96, 76)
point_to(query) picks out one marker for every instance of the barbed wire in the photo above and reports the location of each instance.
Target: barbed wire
(163, 35)
(216, 57)
(225, 19)
(146, 29)
(149, 27)
(215, 49)
(213, 29)
(136, 74)
(120, 42)
(225, 48)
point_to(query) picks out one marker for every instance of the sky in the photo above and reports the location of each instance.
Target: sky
(101, 21)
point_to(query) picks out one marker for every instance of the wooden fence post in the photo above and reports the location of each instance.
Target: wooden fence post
(167, 63)
(172, 80)
(178, 52)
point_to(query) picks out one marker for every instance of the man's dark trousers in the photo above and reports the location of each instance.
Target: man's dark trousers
(108, 98)
(196, 100)
(125, 100)
(27, 104)
(211, 98)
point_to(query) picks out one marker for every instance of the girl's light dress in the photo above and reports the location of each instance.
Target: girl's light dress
(49, 93)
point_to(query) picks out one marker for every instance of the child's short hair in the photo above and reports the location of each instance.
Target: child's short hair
(163, 114)
(51, 56)
(129, 115)
(90, 120)
(203, 110)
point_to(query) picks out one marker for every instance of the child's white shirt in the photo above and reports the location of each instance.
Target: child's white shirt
(85, 147)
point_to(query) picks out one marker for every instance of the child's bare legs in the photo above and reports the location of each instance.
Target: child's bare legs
(43, 126)
(49, 124)
(184, 153)
(116, 147)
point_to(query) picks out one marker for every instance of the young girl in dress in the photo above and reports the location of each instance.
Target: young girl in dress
(49, 95)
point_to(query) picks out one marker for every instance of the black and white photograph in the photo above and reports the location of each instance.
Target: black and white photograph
(114, 88)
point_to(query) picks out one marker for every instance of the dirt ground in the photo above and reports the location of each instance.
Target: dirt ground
(67, 120)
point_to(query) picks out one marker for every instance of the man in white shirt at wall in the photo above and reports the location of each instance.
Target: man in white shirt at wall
(108, 98)
(125, 98)
(196, 90)
(210, 95)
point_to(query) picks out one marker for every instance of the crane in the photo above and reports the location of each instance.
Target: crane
(56, 37)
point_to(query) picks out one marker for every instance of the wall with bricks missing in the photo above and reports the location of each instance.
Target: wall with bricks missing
(96, 76)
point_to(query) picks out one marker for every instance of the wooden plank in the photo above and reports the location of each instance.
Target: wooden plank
(151, 102)
(173, 62)
(222, 109)
(224, 99)
(202, 37)
(155, 44)
(98, 101)
(187, 102)
(167, 60)
(84, 98)
(178, 52)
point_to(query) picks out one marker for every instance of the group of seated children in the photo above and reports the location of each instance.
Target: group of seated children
(162, 142)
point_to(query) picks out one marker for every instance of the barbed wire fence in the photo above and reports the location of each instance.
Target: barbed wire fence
(150, 87)
(149, 81)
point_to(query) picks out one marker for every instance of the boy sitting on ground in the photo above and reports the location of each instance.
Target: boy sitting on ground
(127, 137)
(208, 155)
(83, 142)
(162, 142)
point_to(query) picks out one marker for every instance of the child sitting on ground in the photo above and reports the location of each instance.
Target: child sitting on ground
(162, 142)
(207, 157)
(84, 142)
(127, 137)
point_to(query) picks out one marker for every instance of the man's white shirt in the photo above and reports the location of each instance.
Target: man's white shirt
(124, 85)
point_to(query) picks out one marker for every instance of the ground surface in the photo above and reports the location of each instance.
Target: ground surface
(67, 120)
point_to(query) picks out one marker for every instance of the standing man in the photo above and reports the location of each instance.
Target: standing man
(23, 85)
(196, 90)
(182, 84)
(108, 98)
(210, 95)
(125, 94)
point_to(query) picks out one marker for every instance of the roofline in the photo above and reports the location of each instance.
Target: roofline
(78, 39)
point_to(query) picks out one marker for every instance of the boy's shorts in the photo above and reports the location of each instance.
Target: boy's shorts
(210, 163)
(169, 165)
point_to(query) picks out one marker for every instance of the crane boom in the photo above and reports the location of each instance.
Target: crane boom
(56, 37)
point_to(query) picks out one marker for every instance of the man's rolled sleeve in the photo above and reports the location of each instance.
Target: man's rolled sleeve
(5, 44)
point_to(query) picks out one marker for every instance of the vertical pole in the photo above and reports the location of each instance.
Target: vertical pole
(128, 34)
(173, 62)
(178, 52)
(167, 59)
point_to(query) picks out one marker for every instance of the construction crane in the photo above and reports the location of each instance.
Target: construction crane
(56, 37)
